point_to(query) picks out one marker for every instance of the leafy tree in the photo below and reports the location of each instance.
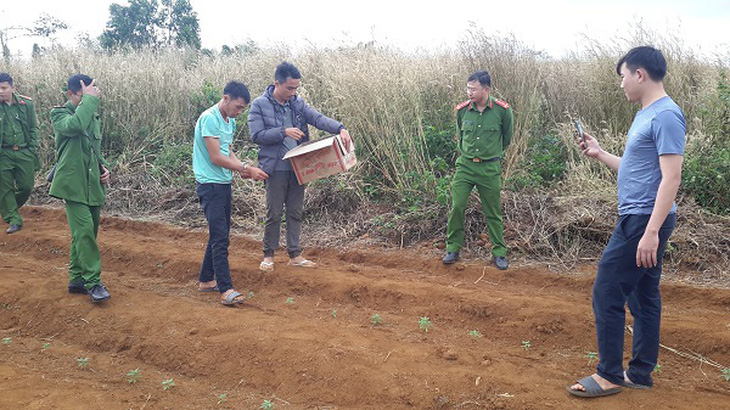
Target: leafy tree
(147, 23)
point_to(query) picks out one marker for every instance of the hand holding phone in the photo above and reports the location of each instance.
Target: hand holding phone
(579, 129)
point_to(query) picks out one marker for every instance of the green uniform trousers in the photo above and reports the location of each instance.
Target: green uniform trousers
(17, 175)
(487, 177)
(85, 264)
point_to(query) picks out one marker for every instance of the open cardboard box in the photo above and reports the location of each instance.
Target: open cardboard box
(321, 158)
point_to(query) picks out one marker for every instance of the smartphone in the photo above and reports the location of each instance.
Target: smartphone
(579, 129)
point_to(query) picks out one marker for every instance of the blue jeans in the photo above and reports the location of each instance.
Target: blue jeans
(216, 202)
(619, 281)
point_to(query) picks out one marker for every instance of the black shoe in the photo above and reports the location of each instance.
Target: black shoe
(14, 228)
(501, 262)
(99, 293)
(77, 287)
(451, 257)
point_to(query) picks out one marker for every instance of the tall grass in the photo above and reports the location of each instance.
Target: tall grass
(393, 102)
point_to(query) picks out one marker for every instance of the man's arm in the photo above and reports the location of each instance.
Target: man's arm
(321, 121)
(259, 133)
(508, 128)
(74, 125)
(32, 128)
(591, 149)
(671, 167)
(231, 161)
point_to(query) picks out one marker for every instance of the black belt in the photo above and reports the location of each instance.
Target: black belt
(483, 160)
(13, 147)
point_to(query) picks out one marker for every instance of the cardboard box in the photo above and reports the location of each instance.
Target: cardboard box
(321, 158)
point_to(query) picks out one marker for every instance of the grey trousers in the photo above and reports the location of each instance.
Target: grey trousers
(283, 190)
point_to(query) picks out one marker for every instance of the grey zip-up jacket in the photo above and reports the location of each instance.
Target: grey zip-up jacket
(266, 124)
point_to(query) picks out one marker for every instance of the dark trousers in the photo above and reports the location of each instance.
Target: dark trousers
(282, 189)
(619, 281)
(216, 202)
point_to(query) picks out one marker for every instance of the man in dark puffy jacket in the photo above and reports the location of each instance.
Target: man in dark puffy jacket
(278, 122)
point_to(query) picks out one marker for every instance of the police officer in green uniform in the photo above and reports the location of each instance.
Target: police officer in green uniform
(484, 127)
(79, 180)
(18, 152)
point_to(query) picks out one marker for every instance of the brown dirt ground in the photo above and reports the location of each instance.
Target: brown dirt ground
(301, 357)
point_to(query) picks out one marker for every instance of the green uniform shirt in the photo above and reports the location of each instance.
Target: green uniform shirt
(18, 123)
(77, 166)
(484, 134)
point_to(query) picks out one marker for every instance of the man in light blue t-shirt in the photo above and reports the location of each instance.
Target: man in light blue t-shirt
(213, 163)
(649, 173)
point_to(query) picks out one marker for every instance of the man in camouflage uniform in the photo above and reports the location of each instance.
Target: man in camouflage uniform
(79, 180)
(18, 151)
(484, 127)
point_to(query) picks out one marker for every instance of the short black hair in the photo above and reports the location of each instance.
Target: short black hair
(482, 76)
(74, 82)
(646, 57)
(236, 89)
(6, 78)
(286, 70)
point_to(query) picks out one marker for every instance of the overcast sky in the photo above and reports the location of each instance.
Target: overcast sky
(555, 26)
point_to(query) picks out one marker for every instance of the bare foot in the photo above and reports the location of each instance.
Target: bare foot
(207, 285)
(605, 384)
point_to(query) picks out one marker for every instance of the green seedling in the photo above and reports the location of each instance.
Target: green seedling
(168, 384)
(376, 319)
(424, 323)
(526, 344)
(222, 398)
(726, 374)
(658, 368)
(267, 405)
(334, 314)
(46, 346)
(7, 340)
(289, 301)
(475, 334)
(83, 362)
(250, 295)
(591, 356)
(133, 375)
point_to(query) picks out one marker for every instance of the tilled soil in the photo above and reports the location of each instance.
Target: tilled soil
(306, 339)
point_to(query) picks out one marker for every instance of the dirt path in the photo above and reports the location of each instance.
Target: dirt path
(321, 351)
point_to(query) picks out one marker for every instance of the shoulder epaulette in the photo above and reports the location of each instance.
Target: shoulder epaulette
(462, 105)
(59, 106)
(502, 103)
(25, 96)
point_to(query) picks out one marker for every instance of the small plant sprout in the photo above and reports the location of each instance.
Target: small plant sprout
(658, 368)
(250, 295)
(267, 405)
(46, 346)
(334, 314)
(289, 301)
(168, 384)
(7, 340)
(591, 356)
(83, 362)
(526, 344)
(133, 375)
(726, 374)
(376, 319)
(475, 334)
(222, 398)
(424, 323)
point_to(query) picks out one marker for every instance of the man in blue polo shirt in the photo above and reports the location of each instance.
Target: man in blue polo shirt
(649, 173)
(213, 163)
